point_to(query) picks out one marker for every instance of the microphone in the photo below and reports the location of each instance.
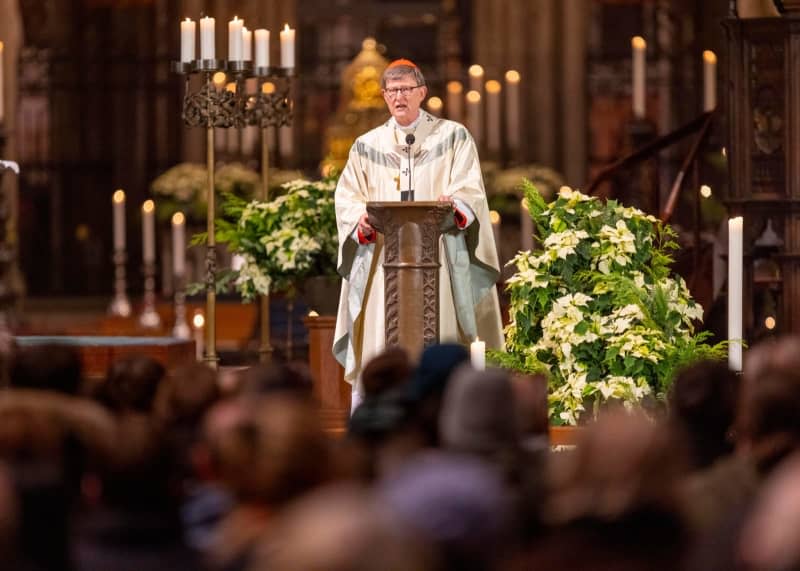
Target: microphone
(408, 195)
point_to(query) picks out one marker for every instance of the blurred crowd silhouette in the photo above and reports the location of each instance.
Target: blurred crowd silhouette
(441, 467)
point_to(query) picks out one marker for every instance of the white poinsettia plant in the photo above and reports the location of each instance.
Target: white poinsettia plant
(281, 241)
(596, 307)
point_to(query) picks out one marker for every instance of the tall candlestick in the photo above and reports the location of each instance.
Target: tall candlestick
(235, 39)
(287, 46)
(2, 60)
(178, 244)
(148, 232)
(475, 78)
(118, 208)
(188, 28)
(639, 76)
(247, 44)
(709, 80)
(455, 109)
(207, 48)
(735, 278)
(477, 353)
(512, 109)
(493, 115)
(262, 47)
(474, 116)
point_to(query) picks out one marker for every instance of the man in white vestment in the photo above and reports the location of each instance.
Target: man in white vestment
(442, 165)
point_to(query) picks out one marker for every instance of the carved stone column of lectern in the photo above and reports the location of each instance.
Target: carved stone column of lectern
(411, 270)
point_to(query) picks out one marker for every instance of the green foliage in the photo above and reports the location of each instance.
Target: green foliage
(597, 308)
(281, 241)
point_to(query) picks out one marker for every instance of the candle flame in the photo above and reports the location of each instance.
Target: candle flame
(268, 87)
(188, 19)
(286, 27)
(475, 71)
(231, 87)
(477, 339)
(473, 97)
(524, 204)
(493, 86)
(705, 191)
(198, 320)
(148, 206)
(435, 104)
(454, 87)
(313, 313)
(770, 323)
(219, 78)
(178, 218)
(638, 43)
(512, 76)
(494, 216)
(709, 56)
(119, 196)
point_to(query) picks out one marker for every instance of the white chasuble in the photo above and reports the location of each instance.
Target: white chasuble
(444, 161)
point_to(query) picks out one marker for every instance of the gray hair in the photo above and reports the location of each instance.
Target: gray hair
(400, 71)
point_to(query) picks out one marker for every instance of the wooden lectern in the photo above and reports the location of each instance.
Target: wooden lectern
(411, 233)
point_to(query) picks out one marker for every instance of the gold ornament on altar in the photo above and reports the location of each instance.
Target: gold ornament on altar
(361, 105)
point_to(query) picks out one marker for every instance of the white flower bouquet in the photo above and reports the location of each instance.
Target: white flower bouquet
(596, 307)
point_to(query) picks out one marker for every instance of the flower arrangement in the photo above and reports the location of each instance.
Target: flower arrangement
(184, 187)
(596, 307)
(281, 241)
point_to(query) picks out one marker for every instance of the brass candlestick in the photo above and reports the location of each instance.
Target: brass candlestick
(149, 319)
(120, 305)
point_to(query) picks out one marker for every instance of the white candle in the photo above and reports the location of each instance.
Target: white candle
(474, 116)
(475, 78)
(148, 232)
(187, 40)
(247, 44)
(735, 279)
(207, 49)
(477, 353)
(235, 39)
(493, 115)
(709, 80)
(178, 244)
(262, 47)
(118, 208)
(639, 76)
(2, 60)
(512, 109)
(287, 46)
(526, 226)
(198, 323)
(455, 109)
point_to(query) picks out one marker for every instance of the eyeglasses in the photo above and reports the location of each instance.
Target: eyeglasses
(404, 91)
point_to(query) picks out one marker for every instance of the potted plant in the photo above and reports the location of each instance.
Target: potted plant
(283, 242)
(596, 307)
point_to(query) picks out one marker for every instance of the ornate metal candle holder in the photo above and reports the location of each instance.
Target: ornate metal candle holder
(181, 328)
(215, 108)
(149, 319)
(120, 305)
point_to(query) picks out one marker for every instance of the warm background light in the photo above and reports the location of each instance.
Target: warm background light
(268, 87)
(494, 216)
(435, 105)
(119, 196)
(219, 79)
(473, 97)
(148, 206)
(705, 191)
(454, 87)
(178, 218)
(493, 86)
(198, 320)
(709, 56)
(638, 43)
(475, 71)
(770, 323)
(512, 76)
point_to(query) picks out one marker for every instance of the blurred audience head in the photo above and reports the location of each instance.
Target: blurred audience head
(279, 377)
(702, 406)
(385, 371)
(186, 394)
(131, 384)
(51, 367)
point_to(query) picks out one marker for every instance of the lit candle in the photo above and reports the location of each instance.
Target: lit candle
(247, 44)
(287, 46)
(735, 260)
(526, 226)
(2, 59)
(118, 208)
(474, 117)
(455, 110)
(178, 244)
(493, 115)
(187, 40)
(477, 353)
(262, 47)
(709, 80)
(207, 49)
(639, 76)
(494, 217)
(148, 232)
(235, 39)
(475, 78)
(512, 109)
(435, 106)
(198, 322)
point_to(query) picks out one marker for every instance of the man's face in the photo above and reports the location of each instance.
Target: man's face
(404, 105)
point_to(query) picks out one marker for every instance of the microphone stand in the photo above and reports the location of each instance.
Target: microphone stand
(408, 195)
